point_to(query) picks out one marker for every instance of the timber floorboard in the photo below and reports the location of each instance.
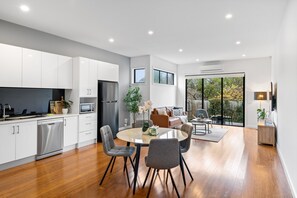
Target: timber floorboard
(235, 167)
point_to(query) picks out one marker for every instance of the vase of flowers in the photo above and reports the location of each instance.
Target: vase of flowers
(145, 109)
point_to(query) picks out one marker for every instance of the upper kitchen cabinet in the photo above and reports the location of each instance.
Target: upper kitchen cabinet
(11, 66)
(49, 70)
(87, 76)
(64, 72)
(31, 73)
(108, 71)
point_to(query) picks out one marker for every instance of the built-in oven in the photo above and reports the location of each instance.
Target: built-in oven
(86, 107)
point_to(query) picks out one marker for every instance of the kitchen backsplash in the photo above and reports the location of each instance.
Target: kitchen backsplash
(34, 100)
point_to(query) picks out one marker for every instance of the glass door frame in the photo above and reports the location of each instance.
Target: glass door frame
(222, 92)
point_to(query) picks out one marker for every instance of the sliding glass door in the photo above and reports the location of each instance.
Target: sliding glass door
(222, 97)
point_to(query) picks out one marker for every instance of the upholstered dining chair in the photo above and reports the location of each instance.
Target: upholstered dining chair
(185, 144)
(114, 151)
(163, 154)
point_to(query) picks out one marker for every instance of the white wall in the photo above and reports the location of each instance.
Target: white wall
(163, 95)
(284, 73)
(257, 78)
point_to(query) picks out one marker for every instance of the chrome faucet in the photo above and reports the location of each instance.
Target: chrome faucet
(4, 106)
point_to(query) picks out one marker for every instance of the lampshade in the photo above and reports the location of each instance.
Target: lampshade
(260, 95)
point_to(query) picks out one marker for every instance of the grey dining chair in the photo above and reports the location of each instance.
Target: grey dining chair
(185, 144)
(114, 151)
(163, 154)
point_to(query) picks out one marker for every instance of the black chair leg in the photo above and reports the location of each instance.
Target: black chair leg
(167, 177)
(148, 193)
(114, 159)
(132, 163)
(147, 174)
(173, 183)
(125, 168)
(106, 170)
(187, 168)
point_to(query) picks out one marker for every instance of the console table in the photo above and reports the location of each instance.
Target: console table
(266, 133)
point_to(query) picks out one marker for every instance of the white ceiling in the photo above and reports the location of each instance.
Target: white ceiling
(198, 27)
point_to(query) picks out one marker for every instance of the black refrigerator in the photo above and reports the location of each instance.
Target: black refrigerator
(108, 107)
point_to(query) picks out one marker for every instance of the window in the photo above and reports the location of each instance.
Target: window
(139, 75)
(163, 77)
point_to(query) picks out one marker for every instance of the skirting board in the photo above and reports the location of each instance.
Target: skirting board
(17, 163)
(286, 171)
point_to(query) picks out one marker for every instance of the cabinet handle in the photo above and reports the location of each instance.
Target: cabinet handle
(13, 130)
(88, 123)
(65, 123)
(18, 129)
(88, 133)
(90, 91)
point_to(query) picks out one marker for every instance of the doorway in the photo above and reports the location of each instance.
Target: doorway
(222, 96)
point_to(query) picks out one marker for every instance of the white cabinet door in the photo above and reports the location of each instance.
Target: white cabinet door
(7, 143)
(31, 75)
(49, 70)
(93, 82)
(11, 66)
(108, 71)
(70, 131)
(26, 139)
(84, 77)
(64, 72)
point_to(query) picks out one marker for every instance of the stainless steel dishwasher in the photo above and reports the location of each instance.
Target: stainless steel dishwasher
(49, 138)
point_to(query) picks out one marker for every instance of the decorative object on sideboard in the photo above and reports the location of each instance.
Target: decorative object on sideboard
(132, 101)
(261, 96)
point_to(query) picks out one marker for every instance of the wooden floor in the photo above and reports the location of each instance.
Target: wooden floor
(234, 167)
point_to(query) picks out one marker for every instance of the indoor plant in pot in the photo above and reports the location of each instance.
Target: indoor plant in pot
(66, 106)
(132, 101)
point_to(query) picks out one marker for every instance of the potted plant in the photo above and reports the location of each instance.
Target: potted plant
(132, 100)
(66, 105)
(261, 114)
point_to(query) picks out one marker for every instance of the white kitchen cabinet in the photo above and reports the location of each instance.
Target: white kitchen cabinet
(49, 70)
(64, 72)
(70, 131)
(108, 71)
(18, 141)
(87, 77)
(87, 127)
(31, 72)
(11, 66)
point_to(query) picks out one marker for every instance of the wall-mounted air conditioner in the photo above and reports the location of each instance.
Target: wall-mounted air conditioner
(211, 69)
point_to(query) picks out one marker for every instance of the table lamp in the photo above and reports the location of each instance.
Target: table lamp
(260, 95)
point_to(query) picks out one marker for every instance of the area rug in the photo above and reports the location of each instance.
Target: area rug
(216, 135)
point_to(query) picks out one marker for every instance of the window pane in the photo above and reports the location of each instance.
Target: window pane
(163, 77)
(139, 75)
(156, 76)
(170, 79)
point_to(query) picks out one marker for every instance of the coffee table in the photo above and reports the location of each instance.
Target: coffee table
(201, 121)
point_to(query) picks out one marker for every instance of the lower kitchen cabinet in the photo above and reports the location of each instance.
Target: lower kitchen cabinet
(70, 131)
(18, 141)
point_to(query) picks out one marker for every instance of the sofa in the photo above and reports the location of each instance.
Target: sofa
(169, 117)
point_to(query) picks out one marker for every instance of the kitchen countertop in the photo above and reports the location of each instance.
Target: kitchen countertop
(48, 116)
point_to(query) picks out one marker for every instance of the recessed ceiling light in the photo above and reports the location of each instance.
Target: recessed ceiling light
(197, 59)
(228, 16)
(243, 55)
(180, 50)
(24, 8)
(111, 40)
(150, 32)
(238, 42)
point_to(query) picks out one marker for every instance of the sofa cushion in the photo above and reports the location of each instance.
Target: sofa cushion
(162, 111)
(174, 121)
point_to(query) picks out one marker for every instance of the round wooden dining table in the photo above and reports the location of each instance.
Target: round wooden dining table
(136, 136)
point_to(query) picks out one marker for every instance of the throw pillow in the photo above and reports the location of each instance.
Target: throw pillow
(162, 111)
(177, 112)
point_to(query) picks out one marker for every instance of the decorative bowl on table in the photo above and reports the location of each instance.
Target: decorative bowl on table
(153, 131)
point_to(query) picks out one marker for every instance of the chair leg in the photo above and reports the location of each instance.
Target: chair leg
(187, 168)
(173, 183)
(106, 170)
(114, 159)
(148, 193)
(167, 177)
(147, 174)
(125, 168)
(132, 163)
